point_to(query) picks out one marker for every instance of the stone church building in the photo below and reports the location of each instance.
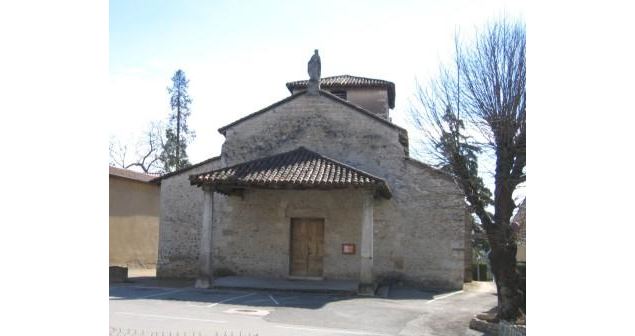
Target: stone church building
(319, 185)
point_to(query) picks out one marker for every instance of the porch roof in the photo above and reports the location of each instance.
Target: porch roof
(298, 169)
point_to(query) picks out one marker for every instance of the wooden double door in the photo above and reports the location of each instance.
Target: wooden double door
(307, 247)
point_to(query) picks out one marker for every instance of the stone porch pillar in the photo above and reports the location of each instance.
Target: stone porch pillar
(366, 285)
(205, 256)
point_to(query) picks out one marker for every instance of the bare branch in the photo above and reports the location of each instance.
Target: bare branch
(476, 106)
(148, 151)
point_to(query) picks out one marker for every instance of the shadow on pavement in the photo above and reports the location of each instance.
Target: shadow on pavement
(151, 288)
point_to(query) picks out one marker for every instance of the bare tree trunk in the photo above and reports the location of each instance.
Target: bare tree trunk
(503, 262)
(500, 236)
(489, 91)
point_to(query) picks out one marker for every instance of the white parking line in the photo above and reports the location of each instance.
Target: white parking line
(445, 296)
(170, 317)
(139, 287)
(164, 293)
(231, 299)
(254, 301)
(330, 330)
(272, 299)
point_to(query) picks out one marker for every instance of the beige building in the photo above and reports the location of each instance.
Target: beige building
(134, 219)
(315, 186)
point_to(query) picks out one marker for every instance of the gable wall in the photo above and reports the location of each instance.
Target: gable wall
(419, 233)
(320, 124)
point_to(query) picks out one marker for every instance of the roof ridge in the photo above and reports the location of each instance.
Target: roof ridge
(130, 170)
(131, 174)
(344, 75)
(299, 93)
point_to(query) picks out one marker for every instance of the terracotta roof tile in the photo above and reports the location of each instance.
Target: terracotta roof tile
(348, 81)
(297, 169)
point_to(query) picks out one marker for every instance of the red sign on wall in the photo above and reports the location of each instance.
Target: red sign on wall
(348, 248)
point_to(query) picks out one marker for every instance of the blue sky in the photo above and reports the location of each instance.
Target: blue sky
(238, 55)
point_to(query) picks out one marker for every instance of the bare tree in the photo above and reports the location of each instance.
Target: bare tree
(147, 151)
(477, 107)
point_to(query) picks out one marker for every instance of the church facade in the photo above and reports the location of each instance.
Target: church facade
(319, 185)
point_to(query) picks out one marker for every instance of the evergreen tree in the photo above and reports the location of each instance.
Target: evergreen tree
(459, 151)
(170, 161)
(177, 134)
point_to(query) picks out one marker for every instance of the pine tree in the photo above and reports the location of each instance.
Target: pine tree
(177, 134)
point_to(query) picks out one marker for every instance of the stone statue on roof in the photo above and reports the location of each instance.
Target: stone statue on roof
(315, 70)
(315, 67)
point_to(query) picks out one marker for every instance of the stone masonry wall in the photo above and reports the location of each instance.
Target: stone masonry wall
(374, 100)
(419, 233)
(251, 234)
(320, 124)
(180, 224)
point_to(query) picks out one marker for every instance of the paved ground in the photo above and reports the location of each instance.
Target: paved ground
(244, 282)
(148, 308)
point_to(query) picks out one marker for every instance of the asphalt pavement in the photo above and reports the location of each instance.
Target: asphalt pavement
(145, 309)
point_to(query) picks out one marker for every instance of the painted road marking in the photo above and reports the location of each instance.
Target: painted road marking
(164, 293)
(230, 299)
(251, 302)
(272, 299)
(330, 330)
(140, 287)
(251, 312)
(170, 317)
(445, 296)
